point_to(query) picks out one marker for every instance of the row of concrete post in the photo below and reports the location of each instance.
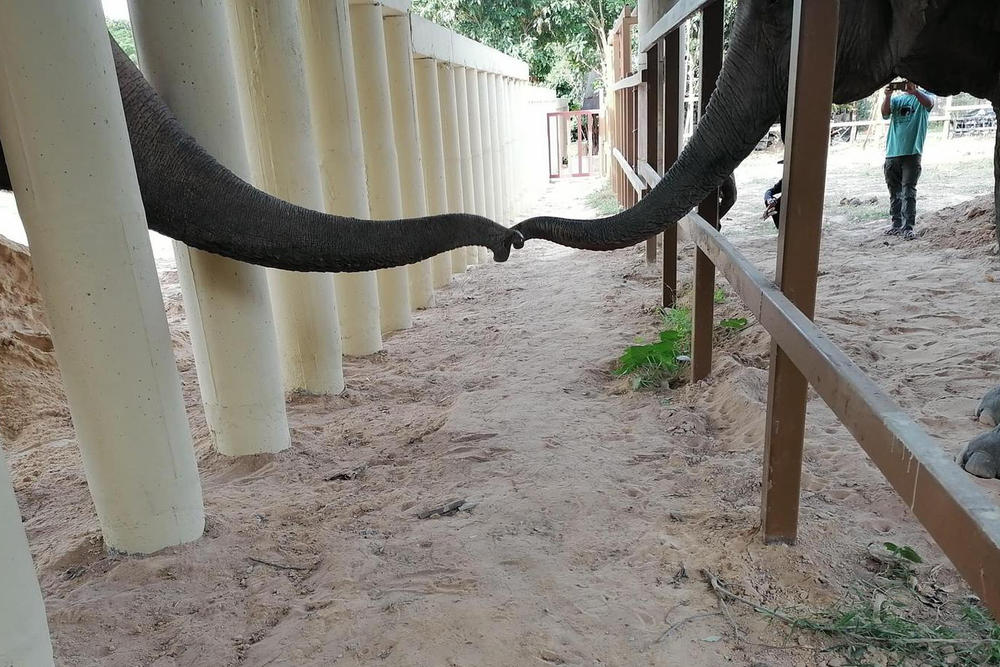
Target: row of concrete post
(322, 103)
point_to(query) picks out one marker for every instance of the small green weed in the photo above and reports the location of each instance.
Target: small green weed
(650, 364)
(720, 295)
(890, 614)
(734, 323)
(679, 320)
(603, 201)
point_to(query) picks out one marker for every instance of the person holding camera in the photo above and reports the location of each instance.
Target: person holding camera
(907, 112)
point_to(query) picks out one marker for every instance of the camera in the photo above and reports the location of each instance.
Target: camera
(898, 85)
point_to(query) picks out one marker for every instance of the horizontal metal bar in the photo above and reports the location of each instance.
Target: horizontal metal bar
(963, 521)
(649, 175)
(679, 12)
(633, 178)
(570, 114)
(628, 82)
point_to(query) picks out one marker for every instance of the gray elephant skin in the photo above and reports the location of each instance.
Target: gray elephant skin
(946, 46)
(190, 197)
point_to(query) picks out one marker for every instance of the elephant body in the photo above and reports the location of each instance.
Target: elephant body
(190, 197)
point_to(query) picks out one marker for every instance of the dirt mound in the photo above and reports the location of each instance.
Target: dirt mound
(970, 225)
(31, 395)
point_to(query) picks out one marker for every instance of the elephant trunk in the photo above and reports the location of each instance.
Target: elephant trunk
(740, 111)
(190, 197)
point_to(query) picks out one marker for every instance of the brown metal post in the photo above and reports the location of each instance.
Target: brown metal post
(625, 42)
(673, 138)
(633, 135)
(810, 91)
(648, 128)
(703, 313)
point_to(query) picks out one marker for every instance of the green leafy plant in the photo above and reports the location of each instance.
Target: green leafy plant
(650, 363)
(679, 320)
(719, 296)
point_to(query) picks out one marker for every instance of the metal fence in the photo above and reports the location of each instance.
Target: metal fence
(648, 117)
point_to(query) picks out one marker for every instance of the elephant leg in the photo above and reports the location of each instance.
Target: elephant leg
(996, 174)
(988, 411)
(982, 455)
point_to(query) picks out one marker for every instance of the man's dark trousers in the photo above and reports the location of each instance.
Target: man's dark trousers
(901, 175)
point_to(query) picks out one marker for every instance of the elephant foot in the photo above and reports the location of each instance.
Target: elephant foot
(982, 455)
(988, 411)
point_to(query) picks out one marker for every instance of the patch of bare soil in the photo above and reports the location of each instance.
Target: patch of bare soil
(970, 225)
(485, 493)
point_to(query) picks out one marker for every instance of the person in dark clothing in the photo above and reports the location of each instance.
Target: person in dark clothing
(772, 202)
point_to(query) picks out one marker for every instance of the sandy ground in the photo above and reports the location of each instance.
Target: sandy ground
(590, 510)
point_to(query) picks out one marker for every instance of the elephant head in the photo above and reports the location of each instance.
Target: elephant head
(876, 39)
(190, 197)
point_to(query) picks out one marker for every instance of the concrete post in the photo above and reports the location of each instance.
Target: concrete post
(487, 115)
(70, 162)
(496, 153)
(185, 53)
(399, 56)
(477, 136)
(463, 101)
(452, 152)
(375, 103)
(329, 59)
(268, 42)
(506, 114)
(24, 632)
(432, 149)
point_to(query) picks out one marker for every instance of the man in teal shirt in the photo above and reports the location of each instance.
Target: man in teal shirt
(908, 113)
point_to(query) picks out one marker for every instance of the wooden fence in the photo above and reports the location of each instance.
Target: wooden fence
(647, 116)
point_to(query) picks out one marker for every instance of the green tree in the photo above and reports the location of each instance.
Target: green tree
(122, 32)
(561, 40)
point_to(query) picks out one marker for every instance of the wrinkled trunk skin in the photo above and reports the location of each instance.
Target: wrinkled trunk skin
(190, 197)
(745, 104)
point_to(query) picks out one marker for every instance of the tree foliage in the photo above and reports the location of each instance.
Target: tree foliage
(122, 32)
(561, 40)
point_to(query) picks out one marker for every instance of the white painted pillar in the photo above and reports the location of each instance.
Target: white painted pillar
(399, 56)
(329, 59)
(24, 631)
(375, 103)
(67, 148)
(486, 115)
(425, 72)
(268, 42)
(503, 125)
(452, 152)
(463, 100)
(496, 154)
(185, 53)
(482, 189)
(509, 142)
